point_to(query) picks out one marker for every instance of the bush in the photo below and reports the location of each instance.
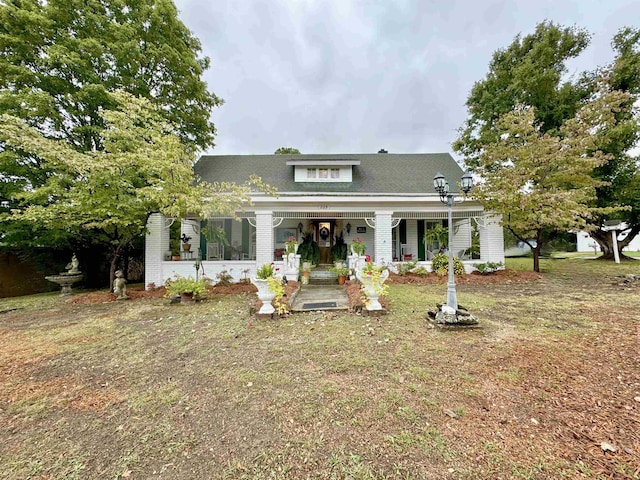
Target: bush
(420, 271)
(406, 267)
(489, 267)
(224, 278)
(180, 285)
(440, 265)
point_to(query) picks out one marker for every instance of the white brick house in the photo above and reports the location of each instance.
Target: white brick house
(388, 200)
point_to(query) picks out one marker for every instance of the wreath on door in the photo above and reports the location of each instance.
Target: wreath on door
(324, 233)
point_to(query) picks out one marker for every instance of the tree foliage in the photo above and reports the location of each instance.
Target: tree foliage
(109, 194)
(59, 62)
(541, 182)
(287, 151)
(532, 72)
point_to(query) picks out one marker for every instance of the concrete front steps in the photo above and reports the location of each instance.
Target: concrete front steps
(321, 275)
(320, 297)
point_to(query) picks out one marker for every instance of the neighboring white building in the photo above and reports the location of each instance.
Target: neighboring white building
(388, 200)
(587, 244)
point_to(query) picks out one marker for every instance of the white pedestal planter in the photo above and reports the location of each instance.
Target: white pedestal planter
(356, 264)
(371, 287)
(264, 294)
(291, 267)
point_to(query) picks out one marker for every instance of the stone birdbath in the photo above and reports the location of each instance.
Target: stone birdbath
(68, 278)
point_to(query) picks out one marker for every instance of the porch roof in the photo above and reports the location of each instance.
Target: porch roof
(378, 173)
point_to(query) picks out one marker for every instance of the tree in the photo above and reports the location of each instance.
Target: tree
(531, 72)
(528, 72)
(143, 168)
(621, 172)
(540, 182)
(59, 61)
(287, 151)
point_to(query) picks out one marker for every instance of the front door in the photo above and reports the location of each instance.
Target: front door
(324, 237)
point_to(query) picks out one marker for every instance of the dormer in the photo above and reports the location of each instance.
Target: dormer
(323, 170)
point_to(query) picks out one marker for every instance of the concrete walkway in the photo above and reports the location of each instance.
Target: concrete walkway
(320, 297)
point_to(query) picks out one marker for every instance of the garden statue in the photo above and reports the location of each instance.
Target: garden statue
(73, 266)
(120, 286)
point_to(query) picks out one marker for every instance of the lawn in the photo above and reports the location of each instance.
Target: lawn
(549, 387)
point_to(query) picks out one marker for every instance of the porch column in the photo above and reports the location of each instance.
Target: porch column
(155, 246)
(264, 237)
(491, 239)
(383, 249)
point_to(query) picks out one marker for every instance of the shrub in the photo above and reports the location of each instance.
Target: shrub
(489, 267)
(421, 271)
(406, 267)
(180, 285)
(440, 265)
(224, 278)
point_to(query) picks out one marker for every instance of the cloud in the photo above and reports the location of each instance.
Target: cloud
(356, 76)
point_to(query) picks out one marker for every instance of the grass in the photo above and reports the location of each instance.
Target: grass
(144, 389)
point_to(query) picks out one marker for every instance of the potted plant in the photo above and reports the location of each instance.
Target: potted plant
(261, 281)
(436, 237)
(291, 245)
(339, 250)
(174, 246)
(358, 247)
(188, 288)
(215, 234)
(309, 249)
(186, 246)
(372, 278)
(341, 271)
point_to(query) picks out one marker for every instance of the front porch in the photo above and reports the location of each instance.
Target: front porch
(241, 246)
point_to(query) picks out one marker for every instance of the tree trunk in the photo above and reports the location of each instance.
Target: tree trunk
(606, 243)
(114, 265)
(536, 251)
(536, 258)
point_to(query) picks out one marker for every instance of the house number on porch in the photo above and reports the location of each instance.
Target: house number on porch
(324, 207)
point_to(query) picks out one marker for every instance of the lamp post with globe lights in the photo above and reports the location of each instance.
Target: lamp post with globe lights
(441, 186)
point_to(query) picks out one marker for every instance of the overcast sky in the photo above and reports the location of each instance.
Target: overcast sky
(343, 76)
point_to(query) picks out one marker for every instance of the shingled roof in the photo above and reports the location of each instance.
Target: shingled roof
(378, 173)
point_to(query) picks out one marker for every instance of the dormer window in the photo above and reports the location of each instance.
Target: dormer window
(323, 170)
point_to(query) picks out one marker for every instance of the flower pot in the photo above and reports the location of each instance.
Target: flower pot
(186, 247)
(371, 287)
(175, 258)
(264, 294)
(187, 297)
(305, 278)
(342, 279)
